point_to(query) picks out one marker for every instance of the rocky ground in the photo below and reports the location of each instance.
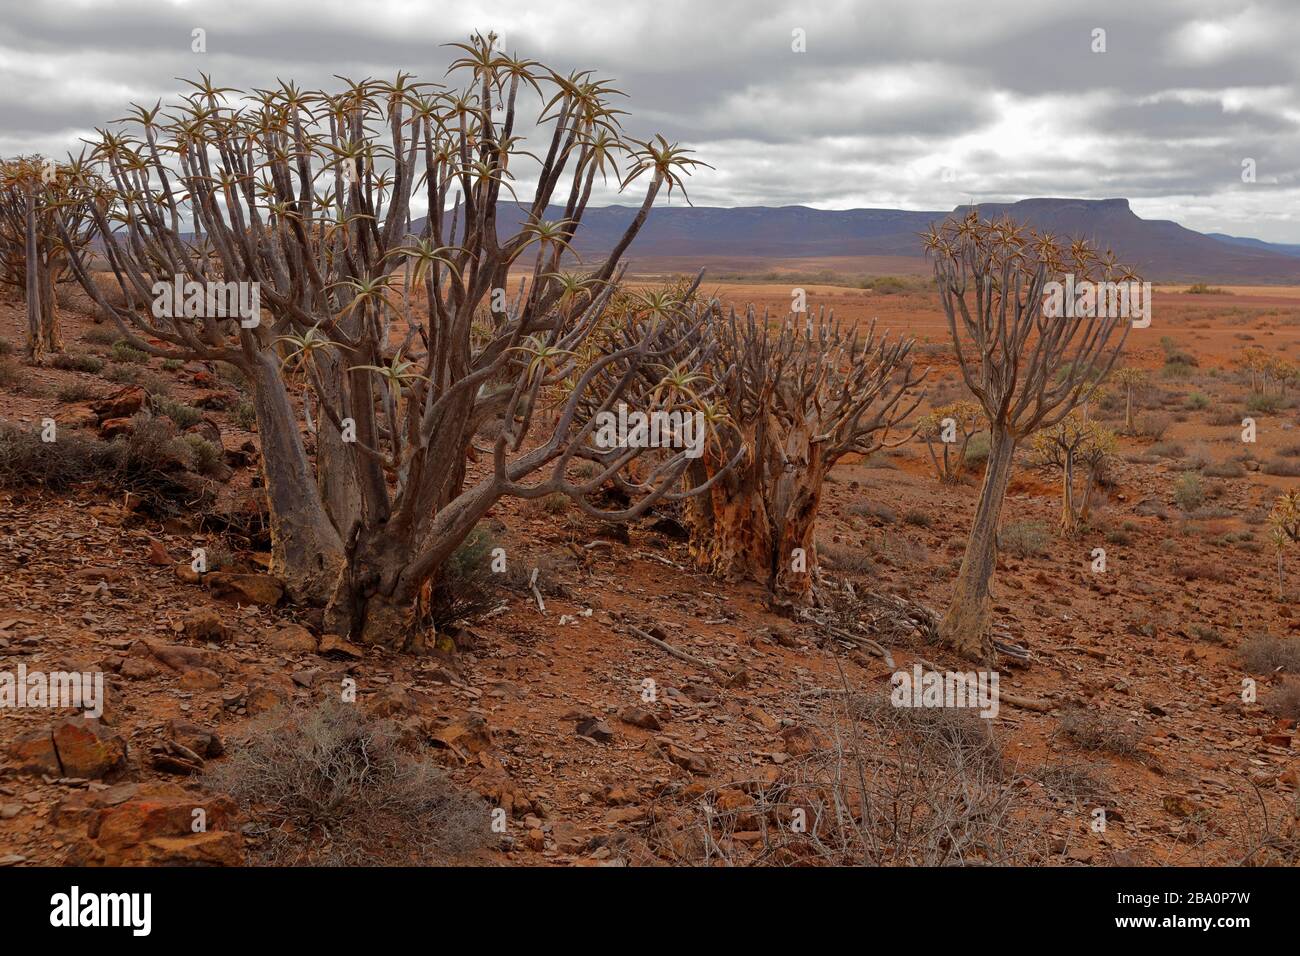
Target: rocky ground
(603, 746)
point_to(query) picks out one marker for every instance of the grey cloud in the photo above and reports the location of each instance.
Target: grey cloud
(1009, 95)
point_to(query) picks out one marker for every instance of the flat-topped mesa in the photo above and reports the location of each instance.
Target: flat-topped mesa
(1049, 204)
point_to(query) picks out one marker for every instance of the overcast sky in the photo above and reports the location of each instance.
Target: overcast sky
(919, 104)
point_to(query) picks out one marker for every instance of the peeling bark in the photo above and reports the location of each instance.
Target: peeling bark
(801, 399)
(306, 551)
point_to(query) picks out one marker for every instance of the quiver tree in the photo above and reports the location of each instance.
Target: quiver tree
(1069, 445)
(394, 337)
(1284, 529)
(1282, 372)
(951, 427)
(1129, 379)
(1256, 363)
(1026, 368)
(796, 399)
(35, 192)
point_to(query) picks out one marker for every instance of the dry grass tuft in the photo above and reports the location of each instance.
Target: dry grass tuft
(333, 787)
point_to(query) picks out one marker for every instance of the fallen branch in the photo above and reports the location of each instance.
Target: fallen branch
(1013, 652)
(660, 559)
(1026, 703)
(532, 584)
(866, 643)
(669, 649)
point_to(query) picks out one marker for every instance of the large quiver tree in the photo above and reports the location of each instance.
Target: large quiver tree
(386, 342)
(1026, 367)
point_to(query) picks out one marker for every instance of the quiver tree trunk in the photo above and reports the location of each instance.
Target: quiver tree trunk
(49, 325)
(759, 524)
(1069, 517)
(794, 506)
(42, 307)
(35, 338)
(306, 549)
(1089, 486)
(731, 532)
(967, 625)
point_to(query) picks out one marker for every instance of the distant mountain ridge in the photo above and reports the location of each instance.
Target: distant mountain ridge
(1285, 248)
(1158, 249)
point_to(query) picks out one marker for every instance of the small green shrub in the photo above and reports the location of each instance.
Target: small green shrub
(843, 558)
(76, 392)
(1225, 469)
(1262, 404)
(121, 374)
(206, 457)
(77, 363)
(1281, 467)
(874, 509)
(154, 385)
(122, 352)
(102, 335)
(977, 452)
(1189, 491)
(1097, 731)
(183, 415)
(246, 415)
(917, 517)
(332, 786)
(1263, 653)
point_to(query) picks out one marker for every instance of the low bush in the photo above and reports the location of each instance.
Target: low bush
(1263, 653)
(1024, 539)
(1189, 491)
(1098, 731)
(129, 354)
(334, 787)
(77, 363)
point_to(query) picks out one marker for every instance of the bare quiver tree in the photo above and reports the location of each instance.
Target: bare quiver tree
(795, 398)
(35, 192)
(393, 345)
(1028, 368)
